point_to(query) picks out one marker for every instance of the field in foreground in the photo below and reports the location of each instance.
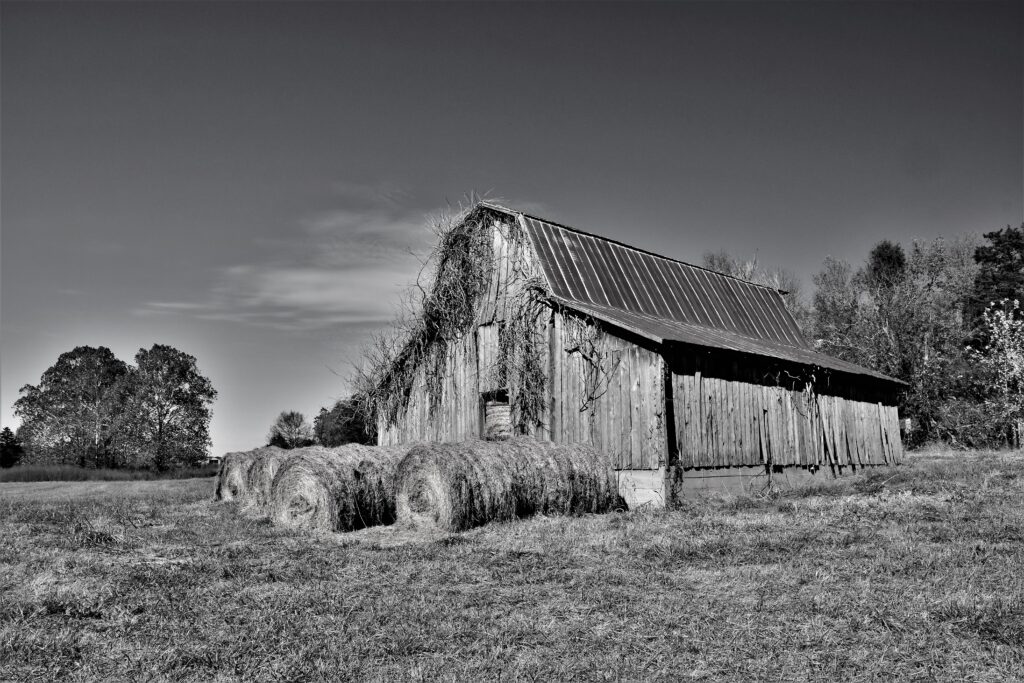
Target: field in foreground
(915, 573)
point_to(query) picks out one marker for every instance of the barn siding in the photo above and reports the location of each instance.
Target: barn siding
(732, 423)
(622, 411)
(456, 418)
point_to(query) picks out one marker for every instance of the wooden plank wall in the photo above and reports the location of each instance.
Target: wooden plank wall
(622, 411)
(626, 417)
(487, 356)
(512, 265)
(723, 423)
(630, 409)
(457, 416)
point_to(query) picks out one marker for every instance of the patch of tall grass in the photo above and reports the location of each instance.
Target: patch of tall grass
(26, 473)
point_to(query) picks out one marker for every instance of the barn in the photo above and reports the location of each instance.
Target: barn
(687, 377)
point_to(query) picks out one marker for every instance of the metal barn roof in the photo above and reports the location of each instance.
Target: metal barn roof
(666, 300)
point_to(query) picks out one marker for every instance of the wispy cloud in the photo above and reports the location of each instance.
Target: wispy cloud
(345, 265)
(373, 194)
(341, 266)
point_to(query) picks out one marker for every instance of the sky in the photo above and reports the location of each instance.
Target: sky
(249, 182)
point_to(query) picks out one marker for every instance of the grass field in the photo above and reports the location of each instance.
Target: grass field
(908, 574)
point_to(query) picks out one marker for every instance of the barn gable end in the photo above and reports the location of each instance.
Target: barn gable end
(681, 374)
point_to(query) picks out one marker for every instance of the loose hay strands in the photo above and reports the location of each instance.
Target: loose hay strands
(233, 477)
(459, 486)
(336, 489)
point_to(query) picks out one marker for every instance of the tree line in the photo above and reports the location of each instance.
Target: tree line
(93, 410)
(944, 316)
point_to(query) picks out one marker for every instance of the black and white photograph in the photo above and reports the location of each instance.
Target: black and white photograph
(492, 340)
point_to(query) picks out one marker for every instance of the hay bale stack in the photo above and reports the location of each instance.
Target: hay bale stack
(462, 485)
(233, 475)
(336, 489)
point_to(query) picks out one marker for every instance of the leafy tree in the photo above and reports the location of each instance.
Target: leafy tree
(1002, 358)
(906, 321)
(886, 265)
(343, 423)
(836, 311)
(11, 451)
(290, 430)
(71, 415)
(167, 408)
(1000, 270)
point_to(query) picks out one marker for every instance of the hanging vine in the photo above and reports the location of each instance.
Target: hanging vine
(439, 309)
(582, 337)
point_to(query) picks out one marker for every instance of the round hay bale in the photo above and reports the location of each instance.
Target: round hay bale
(233, 475)
(260, 476)
(336, 489)
(463, 485)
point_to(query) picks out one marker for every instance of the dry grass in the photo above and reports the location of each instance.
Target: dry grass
(336, 489)
(912, 574)
(458, 486)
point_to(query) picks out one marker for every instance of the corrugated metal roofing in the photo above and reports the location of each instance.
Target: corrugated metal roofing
(663, 299)
(598, 272)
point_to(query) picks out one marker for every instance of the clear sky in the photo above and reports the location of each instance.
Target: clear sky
(244, 181)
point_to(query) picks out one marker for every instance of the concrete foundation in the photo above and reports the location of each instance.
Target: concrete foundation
(658, 488)
(642, 488)
(746, 479)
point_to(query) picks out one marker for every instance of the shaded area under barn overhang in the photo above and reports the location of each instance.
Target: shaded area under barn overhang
(669, 333)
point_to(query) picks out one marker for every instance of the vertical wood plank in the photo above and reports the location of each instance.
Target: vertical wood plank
(679, 399)
(635, 456)
(686, 384)
(730, 423)
(766, 418)
(721, 424)
(712, 393)
(698, 418)
(625, 411)
(754, 455)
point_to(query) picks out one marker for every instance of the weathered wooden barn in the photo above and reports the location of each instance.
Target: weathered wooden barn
(685, 375)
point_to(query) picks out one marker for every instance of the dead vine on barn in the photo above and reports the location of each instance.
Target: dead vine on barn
(440, 308)
(522, 355)
(444, 306)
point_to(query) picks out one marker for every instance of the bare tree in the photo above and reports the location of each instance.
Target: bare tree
(290, 430)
